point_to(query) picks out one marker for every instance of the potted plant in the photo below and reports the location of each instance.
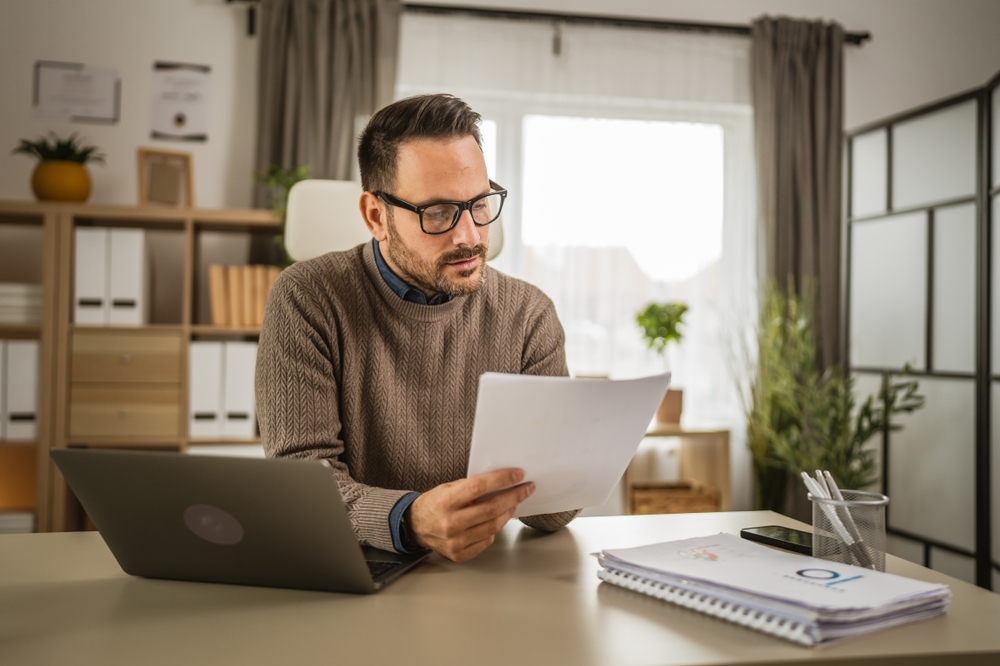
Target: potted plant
(801, 418)
(660, 324)
(61, 173)
(279, 182)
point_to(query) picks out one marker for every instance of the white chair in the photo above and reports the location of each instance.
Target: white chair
(323, 216)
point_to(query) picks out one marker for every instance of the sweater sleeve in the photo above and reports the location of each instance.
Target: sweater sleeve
(298, 400)
(545, 354)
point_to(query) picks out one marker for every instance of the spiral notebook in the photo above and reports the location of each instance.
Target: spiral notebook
(800, 599)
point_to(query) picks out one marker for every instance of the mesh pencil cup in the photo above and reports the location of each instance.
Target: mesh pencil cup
(852, 530)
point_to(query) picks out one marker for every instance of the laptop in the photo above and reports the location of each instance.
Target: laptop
(272, 522)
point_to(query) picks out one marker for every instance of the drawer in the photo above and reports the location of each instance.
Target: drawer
(112, 356)
(125, 411)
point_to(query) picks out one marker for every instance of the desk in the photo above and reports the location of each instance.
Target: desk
(529, 599)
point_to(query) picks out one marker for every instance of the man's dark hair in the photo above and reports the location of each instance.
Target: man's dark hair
(441, 117)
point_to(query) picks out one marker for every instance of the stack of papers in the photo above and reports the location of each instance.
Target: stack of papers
(20, 303)
(801, 599)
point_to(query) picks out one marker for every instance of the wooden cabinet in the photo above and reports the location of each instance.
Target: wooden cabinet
(116, 386)
(123, 356)
(140, 412)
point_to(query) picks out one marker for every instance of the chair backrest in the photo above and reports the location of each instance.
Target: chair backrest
(323, 216)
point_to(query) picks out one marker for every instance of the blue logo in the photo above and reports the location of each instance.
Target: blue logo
(831, 577)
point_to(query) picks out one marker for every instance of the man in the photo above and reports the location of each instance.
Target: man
(371, 358)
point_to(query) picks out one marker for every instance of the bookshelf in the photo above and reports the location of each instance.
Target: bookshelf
(116, 386)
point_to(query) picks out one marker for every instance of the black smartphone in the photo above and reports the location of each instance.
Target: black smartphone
(796, 541)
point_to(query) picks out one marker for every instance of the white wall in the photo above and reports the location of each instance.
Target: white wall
(130, 35)
(922, 50)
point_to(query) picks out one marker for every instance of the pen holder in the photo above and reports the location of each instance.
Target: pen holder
(852, 530)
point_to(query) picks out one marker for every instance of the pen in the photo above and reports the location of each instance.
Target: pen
(855, 549)
(849, 520)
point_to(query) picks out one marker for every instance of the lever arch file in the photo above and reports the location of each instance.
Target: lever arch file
(127, 278)
(239, 415)
(205, 392)
(21, 391)
(90, 269)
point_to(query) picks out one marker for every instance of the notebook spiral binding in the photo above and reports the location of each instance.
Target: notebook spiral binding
(781, 627)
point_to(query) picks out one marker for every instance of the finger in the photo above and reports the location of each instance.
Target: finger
(473, 549)
(466, 490)
(497, 505)
(485, 529)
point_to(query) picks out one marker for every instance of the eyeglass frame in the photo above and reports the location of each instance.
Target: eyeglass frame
(462, 207)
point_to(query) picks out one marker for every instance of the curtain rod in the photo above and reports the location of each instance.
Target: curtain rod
(856, 38)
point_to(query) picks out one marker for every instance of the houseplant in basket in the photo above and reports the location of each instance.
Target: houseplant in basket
(660, 324)
(61, 173)
(801, 418)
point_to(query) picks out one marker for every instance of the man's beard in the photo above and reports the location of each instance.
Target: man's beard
(429, 275)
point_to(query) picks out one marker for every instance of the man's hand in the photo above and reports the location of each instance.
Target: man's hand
(445, 520)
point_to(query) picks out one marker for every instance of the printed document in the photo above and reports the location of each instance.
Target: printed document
(572, 437)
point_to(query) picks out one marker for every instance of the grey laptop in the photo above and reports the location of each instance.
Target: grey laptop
(276, 523)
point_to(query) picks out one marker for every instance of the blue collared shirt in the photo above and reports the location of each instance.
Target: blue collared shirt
(403, 290)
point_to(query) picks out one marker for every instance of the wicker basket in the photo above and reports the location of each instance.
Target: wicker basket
(673, 497)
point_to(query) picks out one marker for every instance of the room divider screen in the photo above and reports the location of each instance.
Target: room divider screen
(923, 199)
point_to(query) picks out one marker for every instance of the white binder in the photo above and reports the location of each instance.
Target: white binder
(21, 417)
(90, 283)
(127, 277)
(205, 390)
(239, 420)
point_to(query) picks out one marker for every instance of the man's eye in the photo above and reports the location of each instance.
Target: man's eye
(436, 215)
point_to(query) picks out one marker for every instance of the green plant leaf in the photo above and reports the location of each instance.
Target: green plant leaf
(660, 324)
(53, 148)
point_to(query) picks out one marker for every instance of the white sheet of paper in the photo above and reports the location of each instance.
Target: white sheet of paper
(572, 437)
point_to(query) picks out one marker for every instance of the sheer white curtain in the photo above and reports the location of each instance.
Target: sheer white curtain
(527, 76)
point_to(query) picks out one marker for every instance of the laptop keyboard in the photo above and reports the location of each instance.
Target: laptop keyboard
(377, 568)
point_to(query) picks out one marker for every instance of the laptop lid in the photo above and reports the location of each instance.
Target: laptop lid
(272, 522)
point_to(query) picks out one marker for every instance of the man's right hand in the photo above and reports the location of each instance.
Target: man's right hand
(445, 519)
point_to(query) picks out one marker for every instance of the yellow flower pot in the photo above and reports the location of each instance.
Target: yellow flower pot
(56, 180)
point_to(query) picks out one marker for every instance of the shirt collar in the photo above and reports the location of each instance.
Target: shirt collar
(403, 290)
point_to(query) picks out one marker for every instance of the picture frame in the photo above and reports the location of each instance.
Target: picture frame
(165, 178)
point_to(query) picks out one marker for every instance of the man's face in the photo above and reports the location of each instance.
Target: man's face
(428, 171)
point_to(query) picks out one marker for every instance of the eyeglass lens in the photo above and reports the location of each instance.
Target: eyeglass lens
(441, 217)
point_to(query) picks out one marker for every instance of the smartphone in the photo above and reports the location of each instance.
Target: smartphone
(796, 541)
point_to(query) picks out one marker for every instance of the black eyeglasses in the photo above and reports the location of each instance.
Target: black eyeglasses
(442, 216)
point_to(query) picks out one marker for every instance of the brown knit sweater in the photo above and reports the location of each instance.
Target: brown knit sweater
(386, 389)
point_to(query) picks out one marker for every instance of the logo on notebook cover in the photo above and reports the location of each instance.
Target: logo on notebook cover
(213, 524)
(826, 576)
(698, 554)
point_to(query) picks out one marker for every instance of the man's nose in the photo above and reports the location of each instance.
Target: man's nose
(466, 232)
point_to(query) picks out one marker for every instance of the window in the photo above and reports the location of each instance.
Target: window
(616, 214)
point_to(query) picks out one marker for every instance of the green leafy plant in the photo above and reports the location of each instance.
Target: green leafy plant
(802, 419)
(660, 324)
(56, 149)
(279, 181)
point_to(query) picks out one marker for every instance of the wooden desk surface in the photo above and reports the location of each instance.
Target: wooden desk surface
(529, 599)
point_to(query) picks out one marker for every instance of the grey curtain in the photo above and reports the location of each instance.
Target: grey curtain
(798, 98)
(323, 64)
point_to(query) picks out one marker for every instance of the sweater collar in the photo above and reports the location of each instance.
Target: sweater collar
(406, 308)
(402, 289)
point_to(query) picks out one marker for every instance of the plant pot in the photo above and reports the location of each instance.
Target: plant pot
(671, 407)
(56, 180)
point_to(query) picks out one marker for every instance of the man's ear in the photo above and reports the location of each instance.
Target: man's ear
(374, 213)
